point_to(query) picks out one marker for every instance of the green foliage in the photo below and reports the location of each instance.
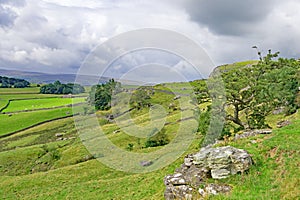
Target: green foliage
(141, 97)
(157, 138)
(226, 132)
(58, 88)
(100, 95)
(6, 82)
(52, 151)
(130, 147)
(204, 121)
(201, 91)
(257, 90)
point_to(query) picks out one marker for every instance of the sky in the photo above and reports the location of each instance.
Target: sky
(56, 36)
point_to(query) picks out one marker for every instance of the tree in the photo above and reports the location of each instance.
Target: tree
(141, 97)
(257, 90)
(157, 138)
(58, 88)
(6, 82)
(100, 95)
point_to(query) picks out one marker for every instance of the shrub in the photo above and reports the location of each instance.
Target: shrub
(158, 139)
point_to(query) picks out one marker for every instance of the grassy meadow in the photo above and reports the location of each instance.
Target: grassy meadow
(27, 107)
(36, 164)
(34, 104)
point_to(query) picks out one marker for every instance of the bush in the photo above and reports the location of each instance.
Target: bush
(158, 139)
(130, 147)
(59, 88)
(204, 121)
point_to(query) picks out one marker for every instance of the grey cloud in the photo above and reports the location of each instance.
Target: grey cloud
(17, 3)
(7, 17)
(228, 17)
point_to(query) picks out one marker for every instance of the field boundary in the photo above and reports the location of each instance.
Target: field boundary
(35, 98)
(3, 108)
(37, 124)
(40, 109)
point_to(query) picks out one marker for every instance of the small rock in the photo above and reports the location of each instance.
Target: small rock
(278, 111)
(253, 141)
(177, 97)
(283, 123)
(214, 189)
(58, 135)
(252, 133)
(146, 163)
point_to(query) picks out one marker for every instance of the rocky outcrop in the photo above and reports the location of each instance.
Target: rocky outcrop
(252, 133)
(283, 123)
(216, 163)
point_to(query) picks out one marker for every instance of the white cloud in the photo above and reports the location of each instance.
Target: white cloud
(53, 35)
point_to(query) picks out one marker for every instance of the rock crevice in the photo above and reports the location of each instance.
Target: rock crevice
(189, 181)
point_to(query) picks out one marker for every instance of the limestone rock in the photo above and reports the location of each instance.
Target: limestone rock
(252, 133)
(283, 123)
(209, 162)
(214, 189)
(223, 161)
(58, 135)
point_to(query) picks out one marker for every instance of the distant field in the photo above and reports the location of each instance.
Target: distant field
(4, 97)
(20, 121)
(238, 65)
(40, 103)
(31, 90)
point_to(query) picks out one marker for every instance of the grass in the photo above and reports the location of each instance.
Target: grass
(29, 90)
(275, 174)
(238, 65)
(19, 121)
(4, 98)
(33, 104)
(35, 165)
(79, 176)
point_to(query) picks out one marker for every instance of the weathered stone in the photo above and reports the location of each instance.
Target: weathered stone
(283, 123)
(278, 111)
(177, 97)
(217, 163)
(252, 133)
(58, 135)
(214, 189)
(146, 163)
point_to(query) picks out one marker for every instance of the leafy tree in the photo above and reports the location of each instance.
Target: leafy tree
(6, 82)
(58, 88)
(157, 138)
(257, 90)
(141, 97)
(201, 91)
(101, 95)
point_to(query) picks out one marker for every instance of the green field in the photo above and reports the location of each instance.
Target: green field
(4, 98)
(29, 90)
(32, 104)
(22, 168)
(18, 121)
(36, 164)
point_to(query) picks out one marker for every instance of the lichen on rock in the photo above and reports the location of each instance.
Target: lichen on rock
(209, 162)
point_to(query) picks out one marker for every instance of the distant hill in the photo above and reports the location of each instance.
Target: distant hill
(38, 77)
(227, 67)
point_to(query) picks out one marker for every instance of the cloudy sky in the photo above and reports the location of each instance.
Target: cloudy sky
(57, 35)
